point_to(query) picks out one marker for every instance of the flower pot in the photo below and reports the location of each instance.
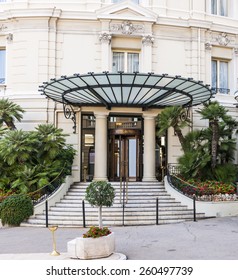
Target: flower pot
(91, 248)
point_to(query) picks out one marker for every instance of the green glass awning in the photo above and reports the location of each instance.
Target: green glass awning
(126, 89)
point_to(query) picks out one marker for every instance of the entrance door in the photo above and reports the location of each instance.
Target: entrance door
(125, 157)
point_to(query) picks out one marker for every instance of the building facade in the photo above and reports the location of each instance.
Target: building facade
(41, 41)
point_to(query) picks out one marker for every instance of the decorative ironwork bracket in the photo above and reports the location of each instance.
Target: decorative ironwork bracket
(185, 114)
(70, 114)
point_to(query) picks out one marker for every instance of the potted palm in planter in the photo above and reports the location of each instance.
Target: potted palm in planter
(98, 242)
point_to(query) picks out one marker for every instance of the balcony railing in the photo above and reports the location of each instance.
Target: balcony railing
(220, 90)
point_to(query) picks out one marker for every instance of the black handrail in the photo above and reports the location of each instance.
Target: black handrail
(47, 194)
(173, 181)
(179, 184)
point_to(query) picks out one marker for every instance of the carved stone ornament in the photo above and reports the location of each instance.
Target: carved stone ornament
(148, 40)
(105, 37)
(208, 46)
(236, 51)
(223, 39)
(126, 28)
(3, 27)
(9, 37)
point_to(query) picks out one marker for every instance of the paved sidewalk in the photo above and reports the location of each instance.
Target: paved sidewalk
(211, 239)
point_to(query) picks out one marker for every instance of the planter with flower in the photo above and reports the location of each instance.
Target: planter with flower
(97, 242)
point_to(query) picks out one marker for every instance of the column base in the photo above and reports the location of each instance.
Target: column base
(100, 179)
(149, 179)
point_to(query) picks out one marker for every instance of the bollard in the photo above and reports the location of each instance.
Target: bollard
(157, 211)
(83, 210)
(46, 213)
(194, 208)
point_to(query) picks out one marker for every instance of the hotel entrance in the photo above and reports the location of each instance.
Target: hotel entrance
(125, 150)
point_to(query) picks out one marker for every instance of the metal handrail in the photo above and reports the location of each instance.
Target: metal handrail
(171, 181)
(45, 195)
(175, 181)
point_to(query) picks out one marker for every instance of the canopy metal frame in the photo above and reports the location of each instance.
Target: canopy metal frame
(141, 90)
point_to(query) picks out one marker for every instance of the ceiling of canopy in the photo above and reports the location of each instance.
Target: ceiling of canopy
(143, 90)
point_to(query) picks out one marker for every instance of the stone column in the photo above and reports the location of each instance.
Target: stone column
(149, 148)
(100, 166)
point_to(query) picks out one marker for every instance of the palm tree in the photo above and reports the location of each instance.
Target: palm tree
(52, 141)
(176, 117)
(9, 112)
(17, 147)
(196, 155)
(215, 113)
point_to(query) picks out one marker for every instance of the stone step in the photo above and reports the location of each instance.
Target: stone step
(128, 214)
(78, 203)
(77, 199)
(140, 208)
(127, 217)
(117, 191)
(115, 184)
(41, 223)
(114, 209)
(112, 222)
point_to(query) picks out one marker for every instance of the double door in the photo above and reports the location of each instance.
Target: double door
(125, 157)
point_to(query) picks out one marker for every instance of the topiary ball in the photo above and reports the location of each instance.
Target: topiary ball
(100, 193)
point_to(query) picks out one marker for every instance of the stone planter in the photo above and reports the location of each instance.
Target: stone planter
(91, 248)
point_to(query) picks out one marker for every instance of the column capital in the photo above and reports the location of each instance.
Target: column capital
(148, 40)
(208, 46)
(105, 37)
(149, 116)
(101, 115)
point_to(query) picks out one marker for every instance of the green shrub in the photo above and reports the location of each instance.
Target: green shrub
(226, 173)
(15, 209)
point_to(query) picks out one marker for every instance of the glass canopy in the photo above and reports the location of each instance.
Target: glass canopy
(126, 89)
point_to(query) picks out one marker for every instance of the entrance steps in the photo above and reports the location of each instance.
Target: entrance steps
(140, 208)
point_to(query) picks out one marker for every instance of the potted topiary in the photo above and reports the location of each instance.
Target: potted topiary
(100, 193)
(98, 242)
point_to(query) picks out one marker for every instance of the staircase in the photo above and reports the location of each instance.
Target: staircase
(140, 208)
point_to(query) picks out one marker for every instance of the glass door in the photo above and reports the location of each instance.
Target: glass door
(124, 158)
